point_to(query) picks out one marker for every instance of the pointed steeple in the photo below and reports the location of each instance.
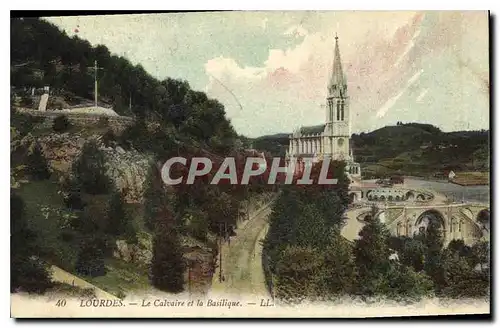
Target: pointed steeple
(338, 85)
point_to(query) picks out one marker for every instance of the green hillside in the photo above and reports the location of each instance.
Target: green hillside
(412, 148)
(78, 219)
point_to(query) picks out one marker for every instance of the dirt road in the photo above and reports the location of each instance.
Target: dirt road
(241, 260)
(60, 275)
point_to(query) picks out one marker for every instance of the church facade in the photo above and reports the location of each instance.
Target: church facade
(332, 139)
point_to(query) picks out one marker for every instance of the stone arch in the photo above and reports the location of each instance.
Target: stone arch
(375, 197)
(398, 198)
(432, 215)
(382, 198)
(390, 198)
(420, 197)
(468, 212)
(353, 196)
(410, 195)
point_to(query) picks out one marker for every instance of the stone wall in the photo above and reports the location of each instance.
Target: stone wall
(116, 123)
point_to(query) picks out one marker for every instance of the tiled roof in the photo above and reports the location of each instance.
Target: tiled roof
(305, 130)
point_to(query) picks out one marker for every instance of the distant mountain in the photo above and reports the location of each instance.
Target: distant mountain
(411, 148)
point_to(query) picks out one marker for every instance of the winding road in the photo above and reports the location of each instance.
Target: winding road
(241, 259)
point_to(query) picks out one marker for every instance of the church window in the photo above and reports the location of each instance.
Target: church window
(330, 109)
(340, 142)
(338, 110)
(342, 110)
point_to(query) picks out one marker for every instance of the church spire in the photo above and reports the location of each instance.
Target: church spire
(337, 86)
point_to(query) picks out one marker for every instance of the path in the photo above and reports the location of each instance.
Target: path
(60, 275)
(241, 259)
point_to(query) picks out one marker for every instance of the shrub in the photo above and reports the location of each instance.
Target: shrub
(61, 124)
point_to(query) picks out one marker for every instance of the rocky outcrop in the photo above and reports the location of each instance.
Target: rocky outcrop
(61, 150)
(140, 253)
(127, 169)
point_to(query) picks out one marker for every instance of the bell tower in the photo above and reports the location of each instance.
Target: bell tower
(337, 128)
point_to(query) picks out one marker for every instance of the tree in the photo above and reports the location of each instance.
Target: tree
(434, 258)
(28, 272)
(480, 254)
(459, 247)
(413, 253)
(61, 124)
(405, 284)
(90, 261)
(167, 265)
(72, 193)
(109, 137)
(297, 272)
(339, 273)
(37, 165)
(372, 258)
(461, 280)
(89, 170)
(119, 222)
(155, 198)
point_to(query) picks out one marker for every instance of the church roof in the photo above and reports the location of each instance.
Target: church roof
(337, 86)
(312, 129)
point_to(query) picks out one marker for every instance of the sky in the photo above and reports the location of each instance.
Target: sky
(270, 69)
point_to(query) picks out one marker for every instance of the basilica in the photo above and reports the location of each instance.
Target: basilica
(332, 139)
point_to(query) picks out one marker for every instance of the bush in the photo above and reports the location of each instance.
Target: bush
(109, 138)
(90, 260)
(103, 121)
(27, 272)
(61, 124)
(37, 165)
(89, 170)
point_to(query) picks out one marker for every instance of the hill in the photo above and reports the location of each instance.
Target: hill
(411, 148)
(90, 194)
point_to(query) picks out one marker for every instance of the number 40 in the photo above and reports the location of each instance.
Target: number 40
(61, 303)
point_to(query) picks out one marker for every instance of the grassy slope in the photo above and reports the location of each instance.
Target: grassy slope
(121, 276)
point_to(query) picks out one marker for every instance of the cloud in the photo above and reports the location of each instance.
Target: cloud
(277, 64)
(291, 83)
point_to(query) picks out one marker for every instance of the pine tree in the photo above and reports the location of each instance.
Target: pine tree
(61, 124)
(28, 272)
(167, 267)
(37, 165)
(339, 269)
(407, 285)
(434, 259)
(372, 258)
(90, 261)
(413, 254)
(298, 274)
(155, 199)
(89, 170)
(119, 222)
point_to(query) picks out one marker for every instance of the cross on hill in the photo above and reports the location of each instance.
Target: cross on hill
(95, 68)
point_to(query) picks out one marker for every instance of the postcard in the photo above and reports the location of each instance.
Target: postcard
(250, 164)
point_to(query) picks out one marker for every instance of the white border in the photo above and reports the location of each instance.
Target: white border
(192, 5)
